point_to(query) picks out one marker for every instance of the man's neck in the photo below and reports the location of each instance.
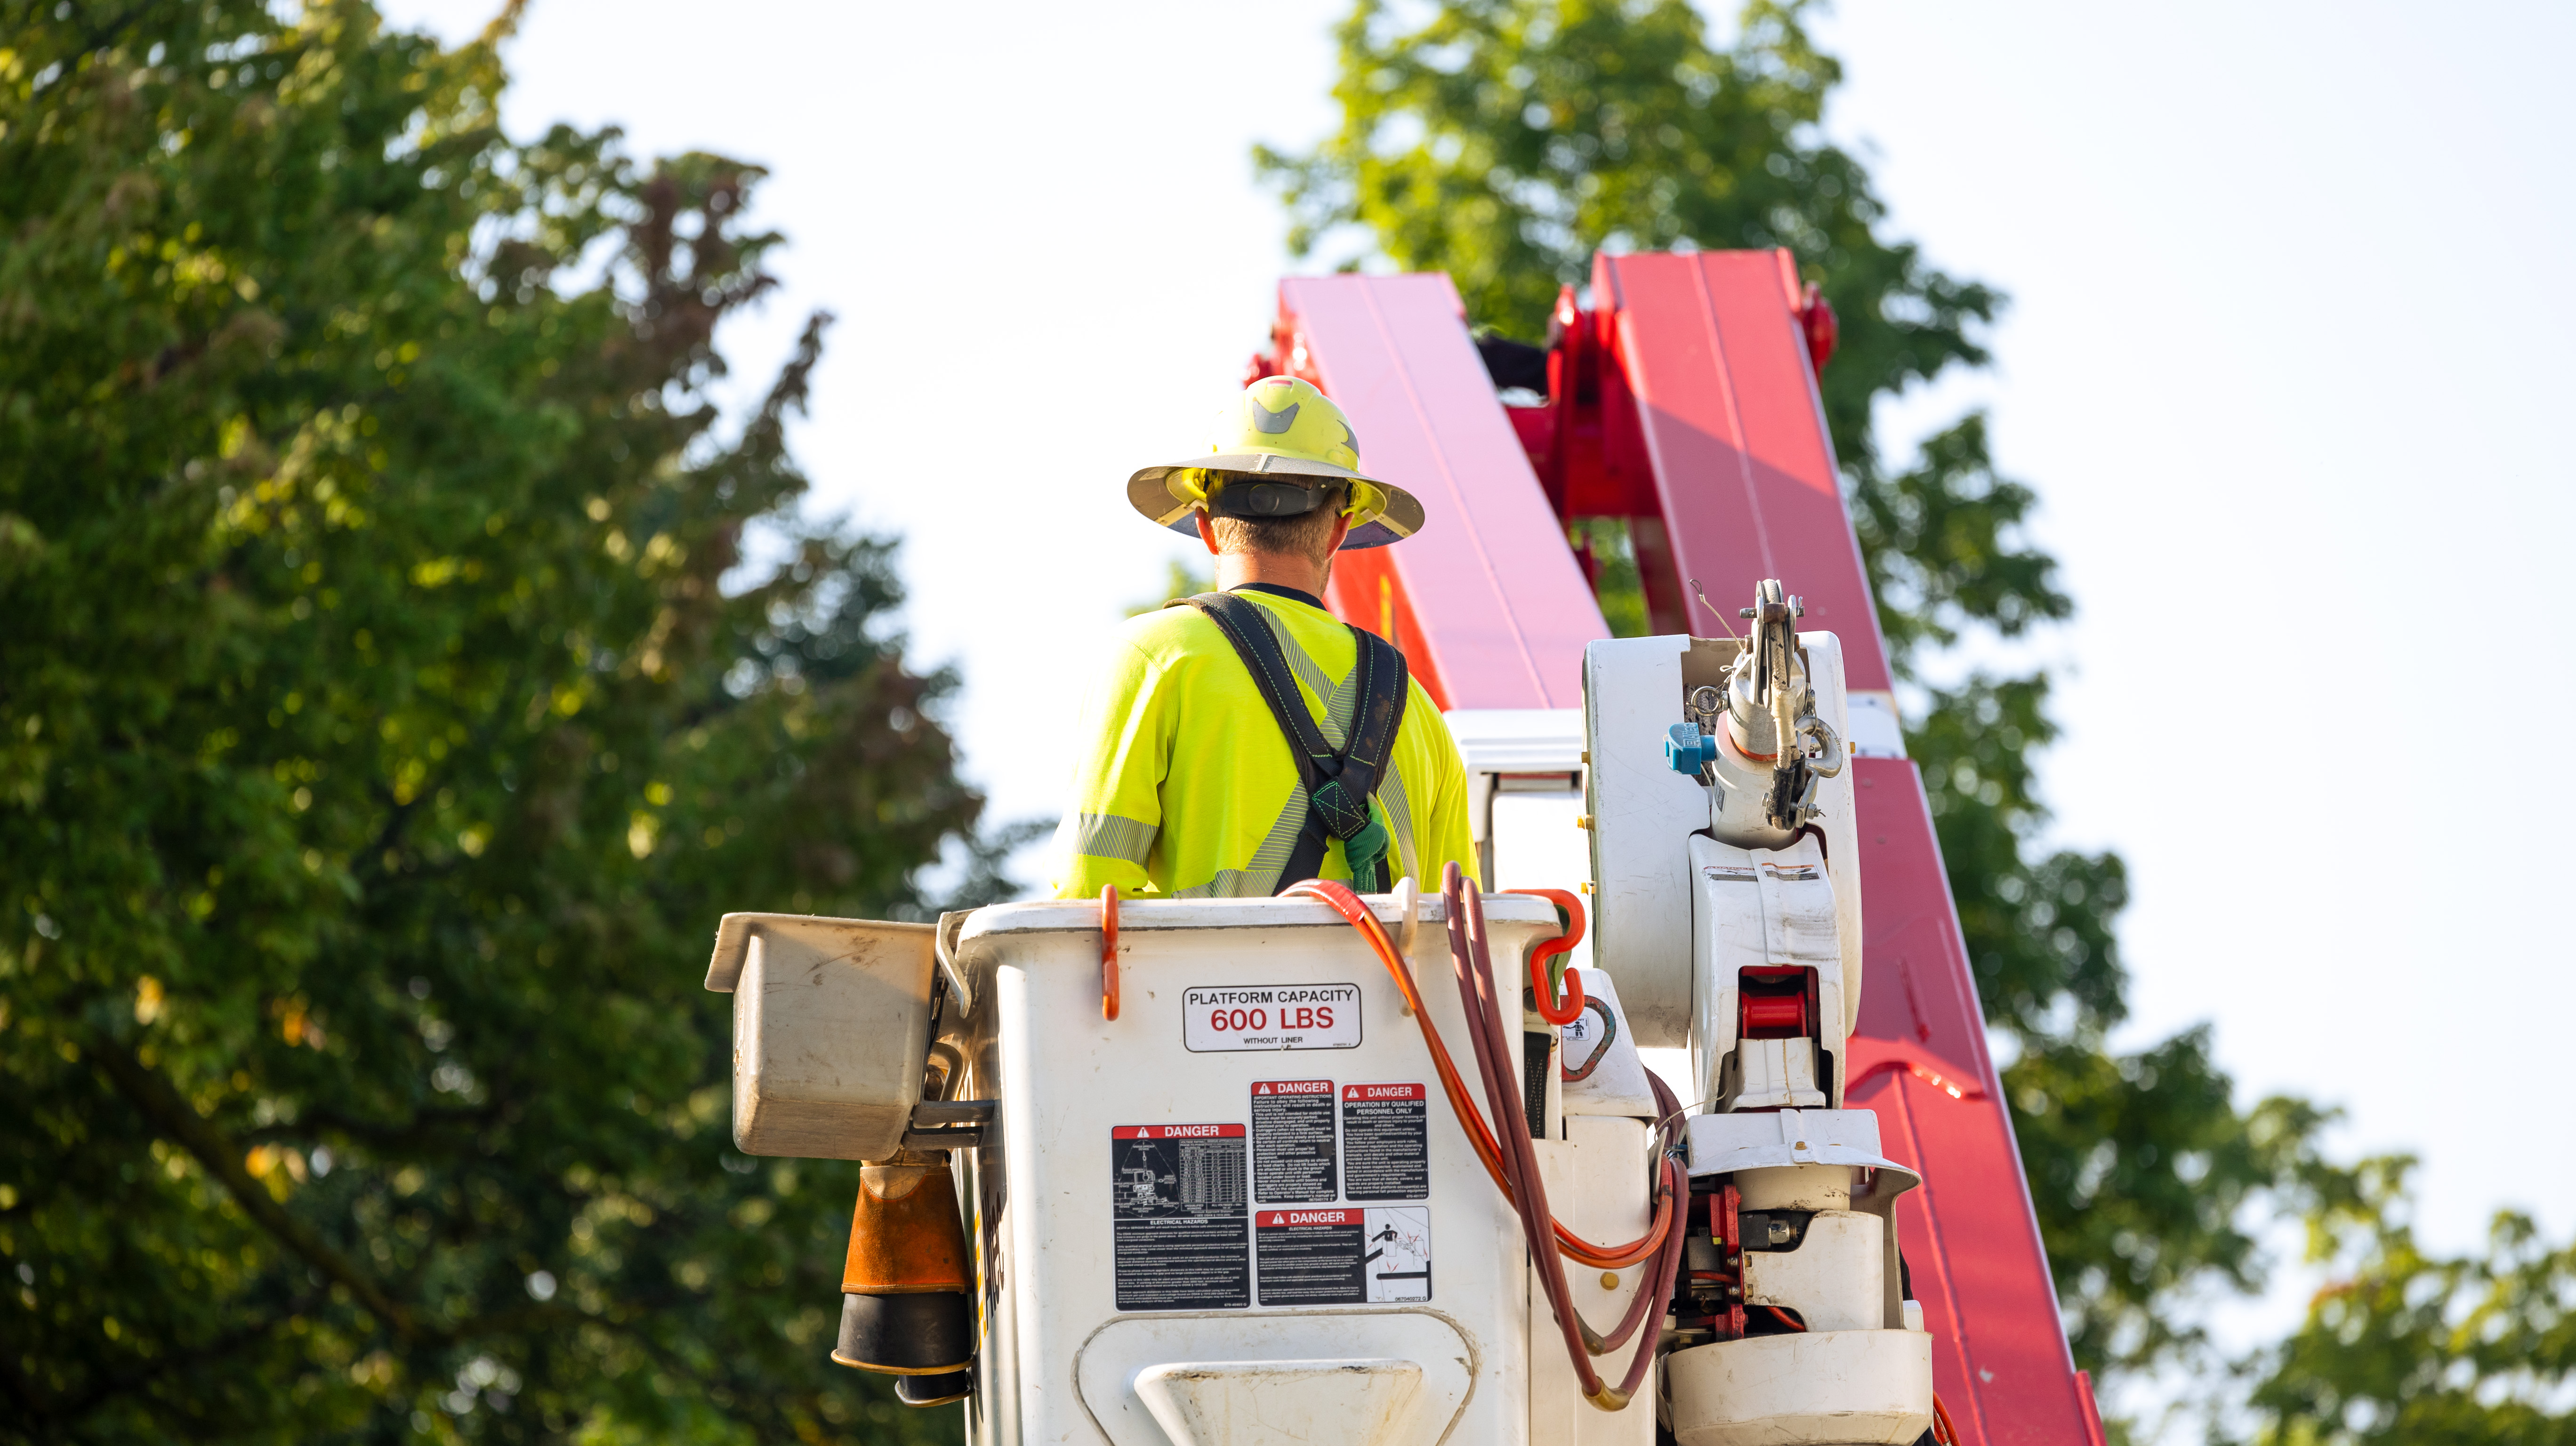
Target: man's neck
(1234, 569)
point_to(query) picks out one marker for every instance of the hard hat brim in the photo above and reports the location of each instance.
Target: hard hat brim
(1167, 496)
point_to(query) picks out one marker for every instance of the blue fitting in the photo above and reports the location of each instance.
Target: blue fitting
(1687, 750)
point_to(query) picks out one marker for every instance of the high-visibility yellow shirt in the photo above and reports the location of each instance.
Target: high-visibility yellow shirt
(1184, 785)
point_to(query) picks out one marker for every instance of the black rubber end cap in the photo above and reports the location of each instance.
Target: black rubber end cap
(934, 1390)
(907, 1335)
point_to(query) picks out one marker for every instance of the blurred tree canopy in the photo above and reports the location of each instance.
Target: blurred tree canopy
(389, 700)
(389, 704)
(1504, 141)
(2403, 1346)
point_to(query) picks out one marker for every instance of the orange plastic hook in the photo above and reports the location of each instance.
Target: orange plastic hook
(1109, 951)
(1551, 1009)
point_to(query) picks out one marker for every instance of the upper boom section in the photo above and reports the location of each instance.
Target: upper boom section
(1684, 403)
(1486, 602)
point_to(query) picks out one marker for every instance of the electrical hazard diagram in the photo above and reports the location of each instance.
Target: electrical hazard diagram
(1347, 1256)
(1182, 1216)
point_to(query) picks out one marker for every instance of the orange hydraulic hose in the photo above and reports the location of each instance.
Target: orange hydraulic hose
(1663, 1240)
(1342, 901)
(1542, 991)
(1480, 994)
(1581, 1340)
(1339, 898)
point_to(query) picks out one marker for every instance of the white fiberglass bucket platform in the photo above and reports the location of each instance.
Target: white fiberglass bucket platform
(1226, 1186)
(1250, 1181)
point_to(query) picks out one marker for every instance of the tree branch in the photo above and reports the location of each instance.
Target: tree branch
(162, 1104)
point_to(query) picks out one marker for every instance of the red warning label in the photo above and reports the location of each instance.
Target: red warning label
(1293, 1158)
(1180, 1215)
(1343, 1256)
(1177, 1132)
(1386, 1143)
(1311, 1257)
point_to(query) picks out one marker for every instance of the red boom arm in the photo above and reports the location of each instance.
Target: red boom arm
(1685, 403)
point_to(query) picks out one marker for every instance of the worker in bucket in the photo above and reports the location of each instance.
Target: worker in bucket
(1245, 739)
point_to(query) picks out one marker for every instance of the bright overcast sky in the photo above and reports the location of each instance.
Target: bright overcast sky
(2289, 315)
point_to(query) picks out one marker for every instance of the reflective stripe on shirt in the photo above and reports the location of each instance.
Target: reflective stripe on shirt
(1107, 836)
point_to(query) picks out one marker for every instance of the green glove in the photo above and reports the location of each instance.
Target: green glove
(1367, 853)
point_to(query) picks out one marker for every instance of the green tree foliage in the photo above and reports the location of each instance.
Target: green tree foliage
(388, 707)
(1504, 141)
(2406, 1347)
(2141, 1169)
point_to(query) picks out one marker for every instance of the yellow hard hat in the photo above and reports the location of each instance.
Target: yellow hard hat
(1278, 449)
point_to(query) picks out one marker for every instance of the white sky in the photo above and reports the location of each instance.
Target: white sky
(2290, 305)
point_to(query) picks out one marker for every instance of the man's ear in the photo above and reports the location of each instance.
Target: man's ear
(1341, 530)
(1207, 533)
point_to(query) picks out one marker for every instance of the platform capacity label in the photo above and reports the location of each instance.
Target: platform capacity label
(1386, 1144)
(1181, 1212)
(1344, 1256)
(1294, 1161)
(1271, 1016)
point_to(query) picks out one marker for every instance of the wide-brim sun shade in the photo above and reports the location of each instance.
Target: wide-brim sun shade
(1167, 495)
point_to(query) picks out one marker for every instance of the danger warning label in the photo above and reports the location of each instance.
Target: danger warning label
(1311, 1257)
(1292, 1142)
(1386, 1147)
(1182, 1216)
(1345, 1256)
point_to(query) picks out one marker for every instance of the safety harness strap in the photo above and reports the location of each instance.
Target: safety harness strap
(1340, 784)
